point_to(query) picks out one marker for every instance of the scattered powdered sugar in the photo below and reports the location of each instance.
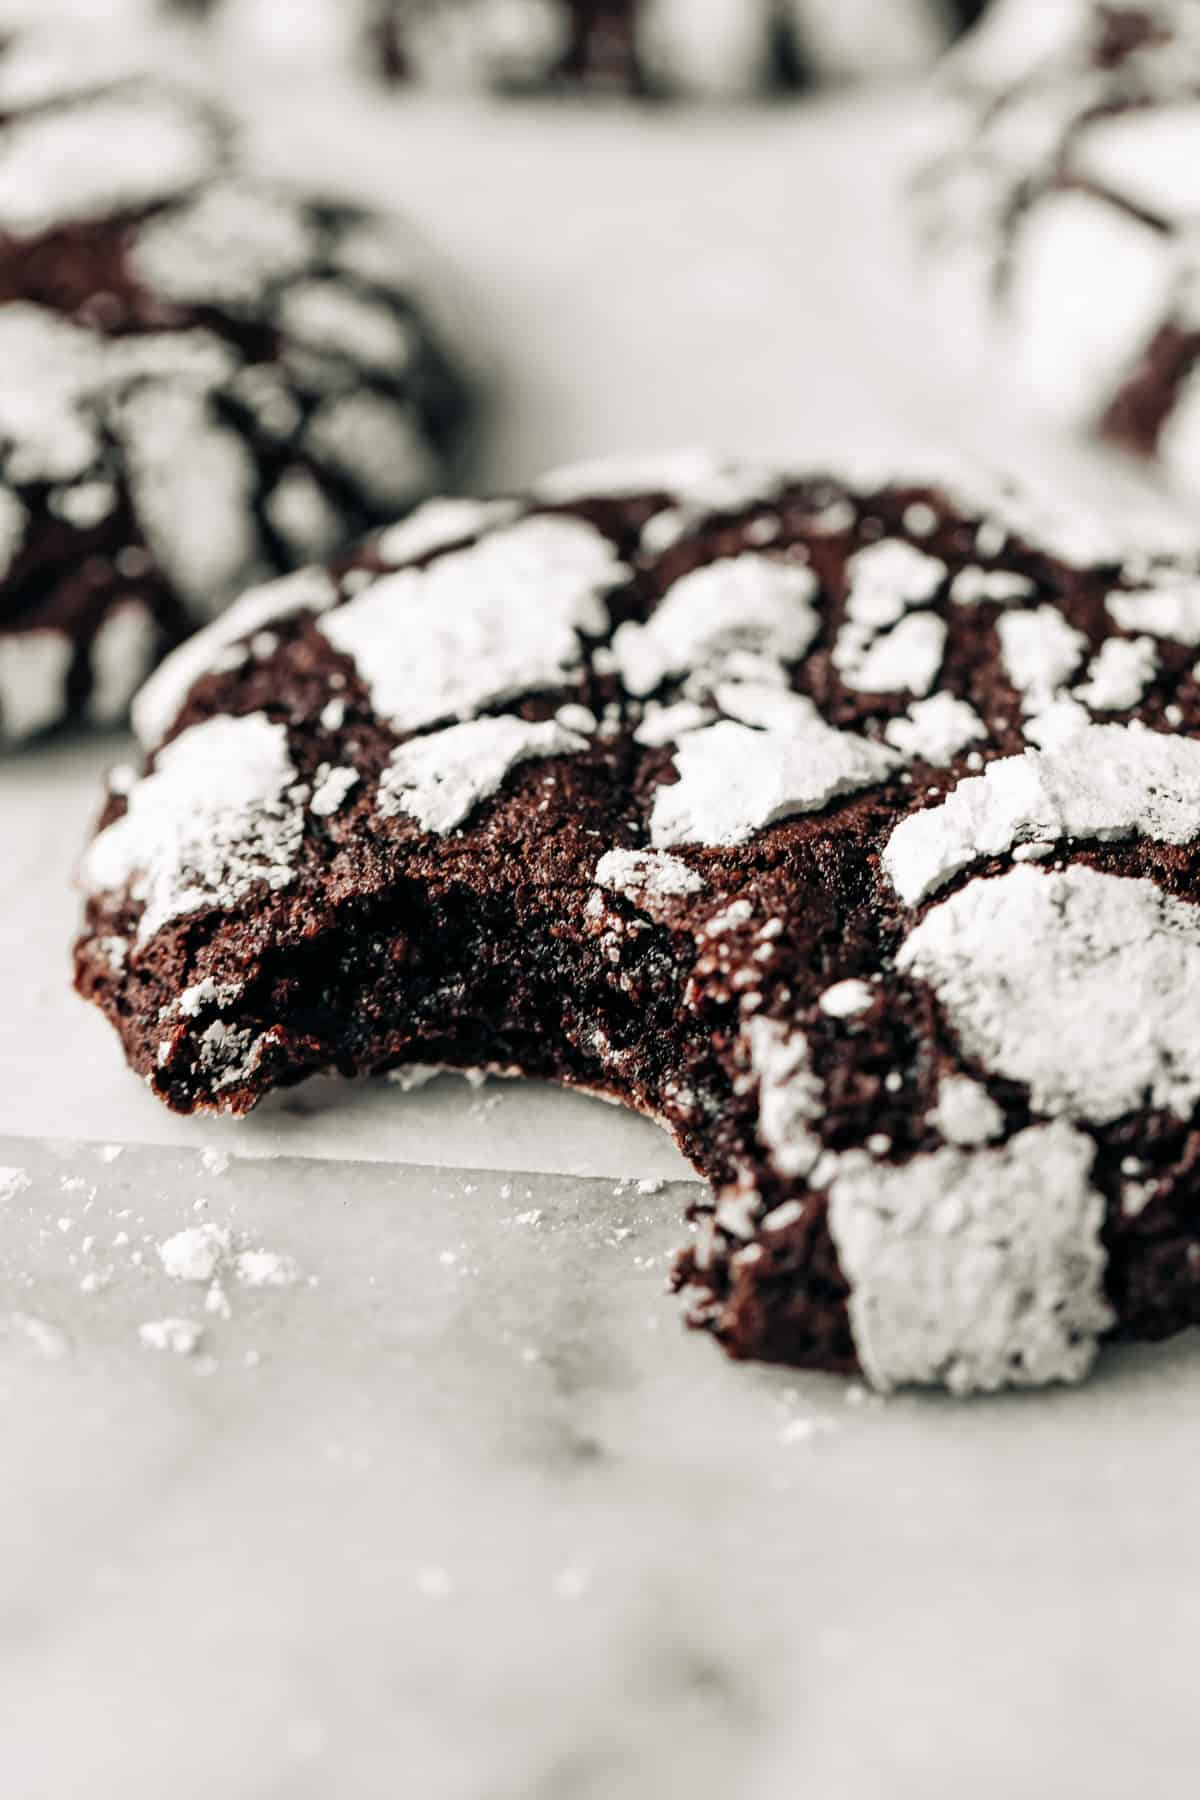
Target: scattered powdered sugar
(1025, 966)
(372, 440)
(215, 817)
(206, 992)
(196, 1253)
(790, 1094)
(936, 730)
(747, 604)
(905, 659)
(47, 1340)
(1104, 781)
(879, 650)
(225, 247)
(974, 586)
(160, 701)
(978, 1269)
(667, 724)
(1170, 609)
(888, 578)
(438, 780)
(327, 315)
(734, 781)
(193, 481)
(1119, 674)
(846, 999)
(107, 153)
(229, 1054)
(965, 1112)
(1040, 652)
(12, 1182)
(647, 875)
(178, 1336)
(34, 666)
(479, 626)
(122, 653)
(266, 1268)
(330, 789)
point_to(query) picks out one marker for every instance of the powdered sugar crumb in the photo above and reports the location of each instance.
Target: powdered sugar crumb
(13, 1182)
(180, 1337)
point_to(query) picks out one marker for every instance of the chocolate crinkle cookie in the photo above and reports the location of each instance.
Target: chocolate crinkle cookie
(1058, 224)
(663, 47)
(206, 381)
(850, 831)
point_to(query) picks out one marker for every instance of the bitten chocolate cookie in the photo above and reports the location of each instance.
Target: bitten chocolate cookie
(851, 832)
(207, 380)
(1058, 224)
(654, 47)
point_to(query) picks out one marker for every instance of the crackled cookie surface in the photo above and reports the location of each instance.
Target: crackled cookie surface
(850, 831)
(206, 381)
(719, 47)
(1059, 222)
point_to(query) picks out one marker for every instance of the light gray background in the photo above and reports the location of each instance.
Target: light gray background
(477, 1521)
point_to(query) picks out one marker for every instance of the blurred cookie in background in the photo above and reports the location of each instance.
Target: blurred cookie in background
(208, 379)
(1059, 218)
(724, 48)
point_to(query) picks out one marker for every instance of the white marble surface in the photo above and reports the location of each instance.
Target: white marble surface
(399, 1555)
(478, 1519)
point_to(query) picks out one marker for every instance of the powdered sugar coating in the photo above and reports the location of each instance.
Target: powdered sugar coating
(117, 152)
(159, 701)
(1040, 652)
(647, 875)
(905, 659)
(744, 605)
(1024, 966)
(122, 652)
(734, 781)
(439, 523)
(34, 666)
(479, 626)
(790, 1094)
(1119, 674)
(936, 729)
(213, 819)
(1106, 782)
(440, 779)
(847, 999)
(965, 1111)
(1169, 609)
(227, 246)
(976, 1269)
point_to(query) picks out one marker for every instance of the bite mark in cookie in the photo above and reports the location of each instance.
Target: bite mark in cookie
(534, 785)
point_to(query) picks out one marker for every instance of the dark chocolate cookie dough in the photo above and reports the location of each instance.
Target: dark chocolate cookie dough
(207, 380)
(850, 831)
